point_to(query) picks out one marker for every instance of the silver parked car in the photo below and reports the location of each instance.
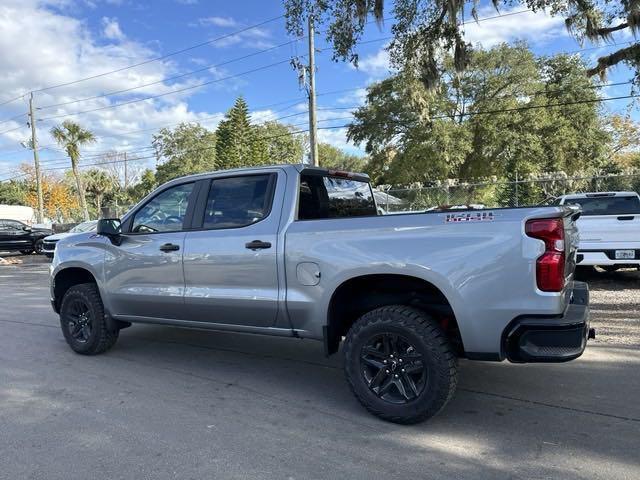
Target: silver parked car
(299, 251)
(49, 243)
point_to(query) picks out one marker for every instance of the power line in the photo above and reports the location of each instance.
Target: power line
(15, 117)
(333, 127)
(482, 112)
(437, 117)
(13, 99)
(186, 74)
(136, 150)
(181, 76)
(296, 101)
(256, 53)
(12, 129)
(123, 134)
(162, 57)
(200, 149)
(204, 68)
(151, 60)
(179, 90)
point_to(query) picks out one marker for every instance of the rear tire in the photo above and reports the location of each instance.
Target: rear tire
(82, 320)
(377, 349)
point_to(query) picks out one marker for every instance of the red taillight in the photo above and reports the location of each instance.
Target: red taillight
(550, 266)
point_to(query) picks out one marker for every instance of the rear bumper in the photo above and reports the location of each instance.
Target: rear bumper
(605, 257)
(557, 338)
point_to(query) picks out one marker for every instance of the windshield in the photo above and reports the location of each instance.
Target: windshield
(84, 227)
(621, 205)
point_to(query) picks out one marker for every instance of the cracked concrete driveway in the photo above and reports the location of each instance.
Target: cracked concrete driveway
(170, 403)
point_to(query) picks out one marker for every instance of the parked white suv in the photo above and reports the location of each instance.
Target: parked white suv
(609, 228)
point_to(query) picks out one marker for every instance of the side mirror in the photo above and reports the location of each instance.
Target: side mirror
(27, 228)
(110, 227)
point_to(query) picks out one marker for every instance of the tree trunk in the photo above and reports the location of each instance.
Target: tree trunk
(80, 187)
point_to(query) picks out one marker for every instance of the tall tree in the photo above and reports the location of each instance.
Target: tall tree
(186, 149)
(59, 200)
(237, 144)
(71, 136)
(275, 143)
(334, 158)
(13, 192)
(492, 120)
(424, 31)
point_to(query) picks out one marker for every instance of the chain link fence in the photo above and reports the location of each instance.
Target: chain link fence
(519, 193)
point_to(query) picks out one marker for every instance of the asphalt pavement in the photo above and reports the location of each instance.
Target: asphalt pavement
(170, 403)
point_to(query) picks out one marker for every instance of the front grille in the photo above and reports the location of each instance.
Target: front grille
(49, 246)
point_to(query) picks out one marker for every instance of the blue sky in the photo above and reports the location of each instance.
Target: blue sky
(50, 42)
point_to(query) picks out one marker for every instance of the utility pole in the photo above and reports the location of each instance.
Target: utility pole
(126, 177)
(36, 161)
(313, 127)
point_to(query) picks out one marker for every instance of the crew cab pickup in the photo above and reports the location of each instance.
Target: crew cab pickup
(301, 251)
(609, 228)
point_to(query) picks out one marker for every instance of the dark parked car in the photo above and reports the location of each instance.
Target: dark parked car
(15, 235)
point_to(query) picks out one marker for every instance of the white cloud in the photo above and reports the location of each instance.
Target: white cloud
(534, 27)
(357, 97)
(67, 51)
(376, 65)
(218, 22)
(255, 38)
(111, 29)
(252, 38)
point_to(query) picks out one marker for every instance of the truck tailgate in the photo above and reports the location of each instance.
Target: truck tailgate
(609, 228)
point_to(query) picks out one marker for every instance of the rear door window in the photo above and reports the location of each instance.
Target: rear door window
(323, 196)
(620, 205)
(235, 202)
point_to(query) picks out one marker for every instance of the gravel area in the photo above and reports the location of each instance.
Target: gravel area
(615, 303)
(17, 258)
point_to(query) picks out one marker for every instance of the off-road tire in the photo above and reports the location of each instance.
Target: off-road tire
(100, 339)
(428, 338)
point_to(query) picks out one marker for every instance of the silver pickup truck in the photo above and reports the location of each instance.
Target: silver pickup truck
(299, 251)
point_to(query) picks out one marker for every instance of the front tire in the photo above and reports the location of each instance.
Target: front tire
(82, 320)
(39, 247)
(400, 364)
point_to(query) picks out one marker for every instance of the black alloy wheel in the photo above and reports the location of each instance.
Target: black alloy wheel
(78, 319)
(392, 367)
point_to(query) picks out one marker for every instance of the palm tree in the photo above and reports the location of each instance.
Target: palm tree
(98, 183)
(71, 136)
